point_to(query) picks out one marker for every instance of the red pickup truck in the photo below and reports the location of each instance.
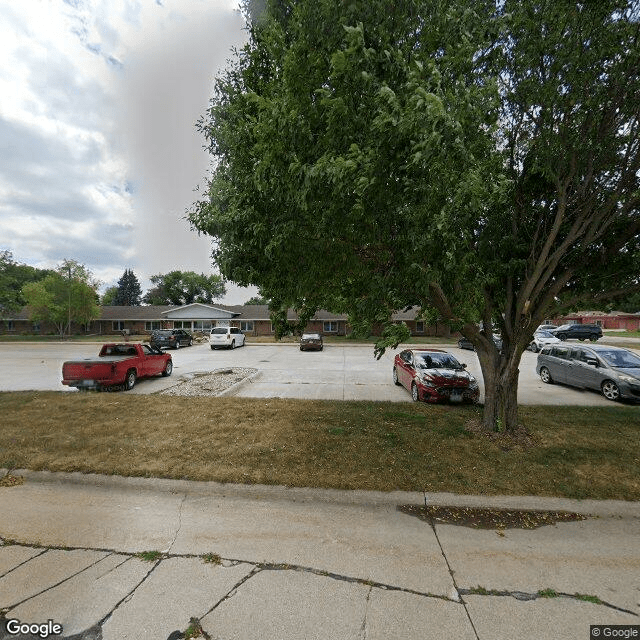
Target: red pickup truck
(117, 366)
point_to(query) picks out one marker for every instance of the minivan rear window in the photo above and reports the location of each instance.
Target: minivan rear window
(220, 331)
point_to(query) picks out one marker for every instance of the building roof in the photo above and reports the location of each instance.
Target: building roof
(210, 311)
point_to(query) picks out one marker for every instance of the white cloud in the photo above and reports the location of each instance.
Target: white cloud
(99, 154)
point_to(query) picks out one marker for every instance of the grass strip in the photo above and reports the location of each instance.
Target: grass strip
(573, 452)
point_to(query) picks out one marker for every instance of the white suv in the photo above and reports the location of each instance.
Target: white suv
(230, 337)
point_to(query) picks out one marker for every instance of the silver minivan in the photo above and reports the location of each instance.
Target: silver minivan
(612, 370)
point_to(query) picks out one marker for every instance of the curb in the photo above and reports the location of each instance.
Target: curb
(598, 508)
(230, 391)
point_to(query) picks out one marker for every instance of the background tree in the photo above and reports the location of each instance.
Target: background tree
(109, 296)
(13, 276)
(129, 291)
(477, 159)
(65, 296)
(257, 300)
(184, 287)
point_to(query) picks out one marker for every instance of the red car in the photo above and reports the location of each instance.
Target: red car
(433, 375)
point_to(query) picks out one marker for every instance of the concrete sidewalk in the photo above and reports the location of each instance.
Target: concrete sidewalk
(272, 563)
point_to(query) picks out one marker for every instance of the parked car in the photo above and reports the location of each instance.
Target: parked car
(580, 331)
(171, 338)
(611, 370)
(230, 337)
(117, 366)
(547, 327)
(433, 375)
(541, 339)
(311, 341)
(465, 343)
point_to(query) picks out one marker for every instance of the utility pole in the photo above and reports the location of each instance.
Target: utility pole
(69, 307)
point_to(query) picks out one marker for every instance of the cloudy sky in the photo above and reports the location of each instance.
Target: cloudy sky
(99, 155)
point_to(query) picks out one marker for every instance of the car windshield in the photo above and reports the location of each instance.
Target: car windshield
(544, 334)
(219, 331)
(437, 361)
(564, 326)
(621, 359)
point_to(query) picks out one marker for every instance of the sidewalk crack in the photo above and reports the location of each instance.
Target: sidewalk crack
(23, 563)
(128, 596)
(453, 579)
(232, 591)
(168, 550)
(540, 595)
(57, 584)
(363, 628)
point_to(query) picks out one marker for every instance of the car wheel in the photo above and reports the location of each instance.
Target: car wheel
(168, 369)
(594, 338)
(610, 390)
(581, 339)
(177, 344)
(414, 392)
(321, 348)
(130, 380)
(190, 343)
(545, 376)
(534, 347)
(233, 344)
(211, 347)
(561, 336)
(395, 377)
(301, 349)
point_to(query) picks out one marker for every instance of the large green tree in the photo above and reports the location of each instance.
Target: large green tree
(67, 295)
(13, 276)
(184, 287)
(129, 291)
(477, 159)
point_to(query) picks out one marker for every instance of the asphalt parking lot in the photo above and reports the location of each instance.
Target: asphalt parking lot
(339, 372)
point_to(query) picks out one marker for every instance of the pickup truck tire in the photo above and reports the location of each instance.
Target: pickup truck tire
(130, 380)
(168, 369)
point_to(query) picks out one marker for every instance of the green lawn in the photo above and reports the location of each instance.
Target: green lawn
(562, 451)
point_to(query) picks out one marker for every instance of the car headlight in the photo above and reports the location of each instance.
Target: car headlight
(630, 379)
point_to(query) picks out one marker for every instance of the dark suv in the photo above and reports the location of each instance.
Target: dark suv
(174, 338)
(580, 331)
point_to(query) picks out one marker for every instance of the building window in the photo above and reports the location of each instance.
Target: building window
(419, 327)
(202, 325)
(246, 325)
(10, 325)
(152, 325)
(330, 326)
(117, 325)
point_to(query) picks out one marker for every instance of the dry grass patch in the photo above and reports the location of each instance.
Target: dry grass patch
(346, 445)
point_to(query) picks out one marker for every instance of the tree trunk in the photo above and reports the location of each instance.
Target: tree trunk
(500, 374)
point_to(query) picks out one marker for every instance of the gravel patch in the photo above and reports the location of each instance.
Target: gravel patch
(210, 383)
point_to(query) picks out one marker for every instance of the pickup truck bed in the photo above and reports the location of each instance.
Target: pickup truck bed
(117, 366)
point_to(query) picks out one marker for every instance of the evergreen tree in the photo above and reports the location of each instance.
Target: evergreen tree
(129, 290)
